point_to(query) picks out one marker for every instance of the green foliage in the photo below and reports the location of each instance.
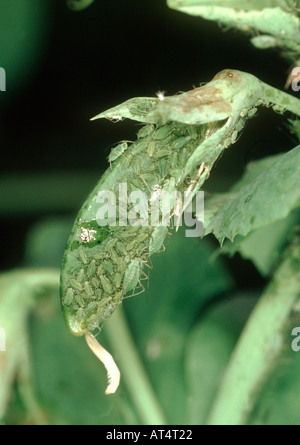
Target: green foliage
(268, 191)
(192, 349)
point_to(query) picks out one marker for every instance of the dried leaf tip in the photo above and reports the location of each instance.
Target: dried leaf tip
(113, 373)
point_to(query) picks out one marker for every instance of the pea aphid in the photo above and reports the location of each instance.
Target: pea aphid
(117, 151)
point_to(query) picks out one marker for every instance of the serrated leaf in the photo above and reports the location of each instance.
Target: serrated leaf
(260, 198)
(264, 246)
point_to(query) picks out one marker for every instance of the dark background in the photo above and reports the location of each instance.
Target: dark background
(89, 61)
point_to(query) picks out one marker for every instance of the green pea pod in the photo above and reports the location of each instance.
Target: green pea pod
(102, 263)
(123, 222)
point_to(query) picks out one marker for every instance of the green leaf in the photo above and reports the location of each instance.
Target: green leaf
(269, 190)
(272, 237)
(277, 19)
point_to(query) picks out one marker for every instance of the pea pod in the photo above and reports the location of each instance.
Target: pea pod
(110, 245)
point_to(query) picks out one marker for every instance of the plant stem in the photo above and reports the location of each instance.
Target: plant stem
(258, 348)
(19, 290)
(133, 371)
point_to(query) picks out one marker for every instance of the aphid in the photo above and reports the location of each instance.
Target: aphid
(75, 284)
(91, 307)
(82, 256)
(104, 302)
(132, 275)
(80, 276)
(180, 142)
(117, 151)
(68, 298)
(163, 132)
(121, 248)
(80, 314)
(91, 268)
(117, 280)
(110, 244)
(145, 131)
(130, 245)
(162, 152)
(106, 284)
(95, 282)
(162, 167)
(114, 256)
(151, 148)
(157, 239)
(108, 266)
(108, 311)
(142, 237)
(88, 289)
(79, 300)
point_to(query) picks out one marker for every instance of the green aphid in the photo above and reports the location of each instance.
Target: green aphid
(162, 152)
(117, 280)
(95, 282)
(88, 289)
(98, 293)
(80, 276)
(138, 183)
(104, 302)
(192, 131)
(79, 300)
(145, 131)
(91, 307)
(132, 275)
(174, 159)
(141, 237)
(110, 243)
(68, 298)
(106, 284)
(100, 255)
(80, 314)
(121, 248)
(163, 167)
(114, 256)
(82, 256)
(108, 312)
(143, 108)
(117, 151)
(157, 239)
(91, 268)
(151, 148)
(121, 265)
(180, 142)
(130, 246)
(183, 157)
(163, 132)
(108, 266)
(149, 177)
(75, 284)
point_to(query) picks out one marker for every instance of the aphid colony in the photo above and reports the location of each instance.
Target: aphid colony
(103, 264)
